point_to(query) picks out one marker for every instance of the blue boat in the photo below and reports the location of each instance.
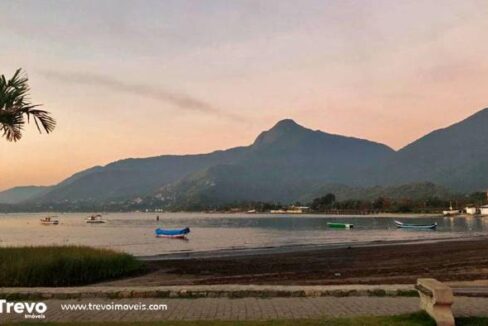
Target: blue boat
(172, 233)
(416, 226)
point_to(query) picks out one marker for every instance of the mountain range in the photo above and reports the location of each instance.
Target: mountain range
(19, 194)
(455, 157)
(285, 163)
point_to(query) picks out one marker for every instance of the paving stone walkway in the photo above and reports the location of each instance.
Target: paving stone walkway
(250, 308)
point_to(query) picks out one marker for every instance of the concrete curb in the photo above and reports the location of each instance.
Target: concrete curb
(210, 291)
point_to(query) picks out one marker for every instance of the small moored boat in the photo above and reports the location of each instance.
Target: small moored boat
(95, 219)
(171, 233)
(337, 225)
(277, 211)
(49, 220)
(451, 211)
(416, 226)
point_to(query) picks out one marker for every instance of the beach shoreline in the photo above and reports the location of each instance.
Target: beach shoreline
(385, 263)
(297, 248)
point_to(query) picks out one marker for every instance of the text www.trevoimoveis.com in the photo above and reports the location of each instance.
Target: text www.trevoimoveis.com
(113, 307)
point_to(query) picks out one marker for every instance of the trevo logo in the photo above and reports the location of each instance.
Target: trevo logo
(30, 310)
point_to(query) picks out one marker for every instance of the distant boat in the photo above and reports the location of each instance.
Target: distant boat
(95, 219)
(336, 225)
(291, 210)
(251, 211)
(451, 211)
(484, 210)
(277, 211)
(416, 226)
(171, 233)
(50, 220)
(294, 211)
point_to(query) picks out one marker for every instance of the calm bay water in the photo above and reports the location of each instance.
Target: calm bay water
(133, 232)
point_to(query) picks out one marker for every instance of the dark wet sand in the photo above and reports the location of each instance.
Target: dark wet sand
(455, 260)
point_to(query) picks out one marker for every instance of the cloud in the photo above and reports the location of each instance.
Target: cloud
(179, 100)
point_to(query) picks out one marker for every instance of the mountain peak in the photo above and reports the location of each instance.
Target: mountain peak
(286, 123)
(285, 127)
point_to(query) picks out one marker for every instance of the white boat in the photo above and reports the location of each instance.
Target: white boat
(484, 210)
(294, 211)
(277, 211)
(49, 220)
(451, 211)
(402, 225)
(95, 219)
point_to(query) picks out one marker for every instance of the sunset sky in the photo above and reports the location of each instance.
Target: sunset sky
(145, 78)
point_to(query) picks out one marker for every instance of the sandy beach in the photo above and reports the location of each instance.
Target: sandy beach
(454, 260)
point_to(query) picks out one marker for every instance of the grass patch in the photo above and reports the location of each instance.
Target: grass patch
(63, 266)
(401, 320)
(472, 321)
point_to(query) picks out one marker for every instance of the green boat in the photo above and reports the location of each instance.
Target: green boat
(336, 225)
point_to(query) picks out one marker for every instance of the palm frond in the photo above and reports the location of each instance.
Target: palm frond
(16, 109)
(41, 118)
(11, 125)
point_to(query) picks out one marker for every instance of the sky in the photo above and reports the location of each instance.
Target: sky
(144, 78)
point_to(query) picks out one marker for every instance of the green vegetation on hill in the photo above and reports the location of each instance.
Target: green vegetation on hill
(414, 198)
(417, 198)
(410, 191)
(63, 266)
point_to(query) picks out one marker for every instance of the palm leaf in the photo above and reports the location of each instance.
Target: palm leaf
(16, 109)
